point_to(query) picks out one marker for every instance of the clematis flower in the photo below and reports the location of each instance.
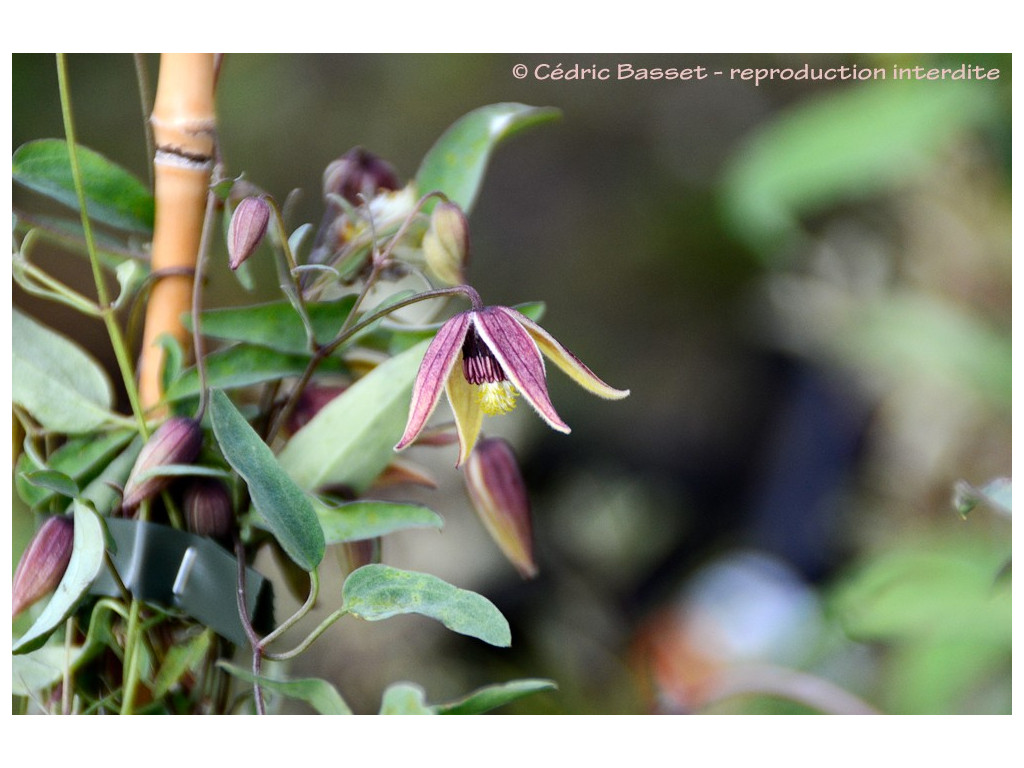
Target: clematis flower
(484, 358)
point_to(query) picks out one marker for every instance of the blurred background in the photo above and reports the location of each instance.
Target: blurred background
(805, 285)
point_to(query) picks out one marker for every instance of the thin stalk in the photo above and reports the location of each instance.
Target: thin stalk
(250, 633)
(113, 330)
(314, 592)
(311, 638)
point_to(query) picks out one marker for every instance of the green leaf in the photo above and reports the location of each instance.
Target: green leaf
(179, 660)
(368, 519)
(56, 381)
(103, 492)
(456, 163)
(79, 458)
(494, 696)
(319, 694)
(276, 325)
(53, 481)
(112, 195)
(86, 562)
(40, 669)
(243, 365)
(351, 440)
(844, 145)
(376, 592)
(404, 699)
(282, 504)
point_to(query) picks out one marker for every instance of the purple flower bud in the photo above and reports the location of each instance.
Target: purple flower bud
(312, 400)
(498, 493)
(43, 564)
(208, 508)
(446, 243)
(176, 441)
(356, 173)
(248, 226)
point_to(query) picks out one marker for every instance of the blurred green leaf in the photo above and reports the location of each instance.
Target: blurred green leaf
(846, 145)
(319, 694)
(907, 334)
(404, 699)
(351, 440)
(180, 658)
(494, 696)
(458, 160)
(56, 381)
(86, 562)
(103, 492)
(359, 520)
(53, 481)
(282, 504)
(376, 592)
(276, 325)
(112, 195)
(243, 365)
(40, 669)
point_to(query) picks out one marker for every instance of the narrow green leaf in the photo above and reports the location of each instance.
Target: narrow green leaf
(103, 492)
(79, 459)
(351, 440)
(376, 592)
(494, 696)
(458, 160)
(276, 325)
(319, 694)
(56, 381)
(179, 660)
(53, 481)
(243, 365)
(405, 699)
(282, 504)
(368, 519)
(112, 195)
(86, 562)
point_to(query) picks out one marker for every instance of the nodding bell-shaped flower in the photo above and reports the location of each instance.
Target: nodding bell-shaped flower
(484, 358)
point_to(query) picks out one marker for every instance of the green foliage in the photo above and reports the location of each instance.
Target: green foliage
(376, 592)
(456, 164)
(360, 520)
(319, 694)
(112, 195)
(351, 440)
(56, 381)
(286, 510)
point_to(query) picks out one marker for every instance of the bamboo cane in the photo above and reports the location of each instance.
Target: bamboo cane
(184, 125)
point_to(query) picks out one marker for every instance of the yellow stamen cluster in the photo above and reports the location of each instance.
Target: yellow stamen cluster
(497, 397)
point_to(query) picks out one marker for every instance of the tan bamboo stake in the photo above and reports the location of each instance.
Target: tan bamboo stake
(184, 125)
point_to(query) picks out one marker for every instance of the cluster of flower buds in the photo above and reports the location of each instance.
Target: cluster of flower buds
(247, 228)
(446, 243)
(498, 493)
(177, 441)
(358, 174)
(208, 508)
(43, 563)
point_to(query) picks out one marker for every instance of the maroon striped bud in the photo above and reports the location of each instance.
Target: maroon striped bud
(176, 441)
(498, 493)
(248, 226)
(358, 173)
(43, 564)
(208, 508)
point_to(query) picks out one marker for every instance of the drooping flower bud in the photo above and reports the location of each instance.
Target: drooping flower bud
(177, 441)
(498, 492)
(446, 243)
(248, 226)
(208, 508)
(43, 564)
(358, 173)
